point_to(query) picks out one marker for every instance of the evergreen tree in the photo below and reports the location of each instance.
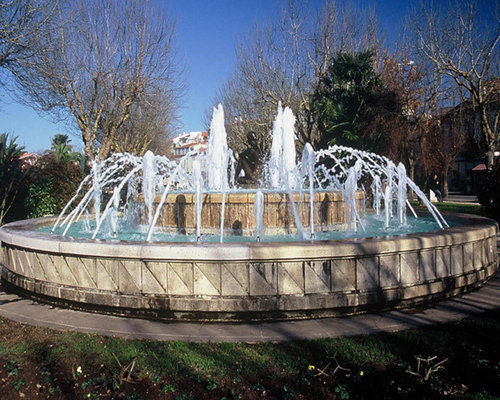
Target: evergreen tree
(350, 101)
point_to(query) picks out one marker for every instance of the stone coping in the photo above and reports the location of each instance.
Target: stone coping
(21, 234)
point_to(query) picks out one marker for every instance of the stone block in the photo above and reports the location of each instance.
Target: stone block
(290, 278)
(65, 273)
(107, 274)
(343, 274)
(427, 270)
(21, 264)
(443, 262)
(317, 276)
(478, 254)
(484, 251)
(457, 260)
(180, 278)
(235, 280)
(263, 279)
(48, 268)
(367, 269)
(468, 257)
(389, 271)
(492, 250)
(154, 277)
(83, 269)
(207, 279)
(409, 268)
(129, 276)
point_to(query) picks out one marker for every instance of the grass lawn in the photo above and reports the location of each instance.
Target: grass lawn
(459, 360)
(456, 207)
(462, 361)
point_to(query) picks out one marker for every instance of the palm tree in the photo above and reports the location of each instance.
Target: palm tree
(11, 172)
(59, 139)
(62, 150)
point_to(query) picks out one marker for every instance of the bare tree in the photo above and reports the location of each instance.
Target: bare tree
(20, 22)
(283, 59)
(462, 44)
(152, 121)
(98, 60)
(417, 94)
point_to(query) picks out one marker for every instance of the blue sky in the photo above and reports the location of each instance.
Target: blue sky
(207, 32)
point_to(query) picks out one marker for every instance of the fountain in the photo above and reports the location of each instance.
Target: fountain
(179, 240)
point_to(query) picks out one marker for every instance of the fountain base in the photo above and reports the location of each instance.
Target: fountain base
(248, 281)
(178, 213)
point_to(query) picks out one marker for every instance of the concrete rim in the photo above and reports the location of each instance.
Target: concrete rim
(298, 280)
(20, 234)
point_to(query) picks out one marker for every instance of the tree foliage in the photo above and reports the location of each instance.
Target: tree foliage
(51, 183)
(11, 172)
(350, 102)
(281, 60)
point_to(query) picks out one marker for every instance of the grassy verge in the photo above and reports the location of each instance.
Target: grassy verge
(461, 360)
(461, 208)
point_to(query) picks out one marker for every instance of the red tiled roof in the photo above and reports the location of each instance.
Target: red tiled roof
(479, 167)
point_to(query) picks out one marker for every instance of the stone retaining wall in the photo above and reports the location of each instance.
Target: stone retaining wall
(249, 280)
(178, 213)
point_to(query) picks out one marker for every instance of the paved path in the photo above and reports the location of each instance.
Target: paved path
(26, 311)
(462, 199)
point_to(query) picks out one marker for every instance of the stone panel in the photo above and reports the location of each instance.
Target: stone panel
(468, 257)
(263, 279)
(389, 271)
(235, 280)
(107, 273)
(427, 266)
(15, 262)
(84, 271)
(180, 278)
(66, 274)
(478, 254)
(26, 258)
(443, 262)
(48, 268)
(367, 273)
(484, 248)
(457, 260)
(291, 278)
(38, 271)
(207, 279)
(409, 268)
(154, 277)
(492, 249)
(129, 280)
(343, 275)
(318, 276)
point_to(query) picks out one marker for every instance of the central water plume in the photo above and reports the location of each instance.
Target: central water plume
(132, 186)
(217, 152)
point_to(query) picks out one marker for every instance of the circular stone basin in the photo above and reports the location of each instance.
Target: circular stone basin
(248, 281)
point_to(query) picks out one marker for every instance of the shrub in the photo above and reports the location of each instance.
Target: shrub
(11, 174)
(489, 193)
(41, 201)
(52, 183)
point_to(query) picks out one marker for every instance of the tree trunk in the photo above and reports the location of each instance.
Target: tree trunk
(490, 159)
(87, 141)
(488, 135)
(411, 164)
(445, 184)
